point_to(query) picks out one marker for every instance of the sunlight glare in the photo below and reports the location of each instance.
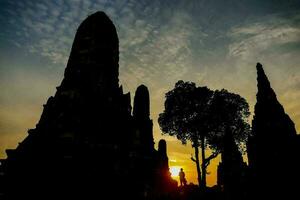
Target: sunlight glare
(174, 170)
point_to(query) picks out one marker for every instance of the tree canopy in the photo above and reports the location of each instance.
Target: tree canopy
(229, 115)
(203, 117)
(186, 111)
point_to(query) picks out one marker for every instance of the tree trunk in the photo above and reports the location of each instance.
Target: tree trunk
(203, 167)
(198, 164)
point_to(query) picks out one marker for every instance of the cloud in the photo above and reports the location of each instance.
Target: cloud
(154, 40)
(253, 40)
(275, 41)
(160, 42)
(165, 52)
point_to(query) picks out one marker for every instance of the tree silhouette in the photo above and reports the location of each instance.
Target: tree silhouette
(203, 117)
(229, 114)
(185, 116)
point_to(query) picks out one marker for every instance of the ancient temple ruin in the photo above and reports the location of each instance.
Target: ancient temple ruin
(272, 148)
(87, 144)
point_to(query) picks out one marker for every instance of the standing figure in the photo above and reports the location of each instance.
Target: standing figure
(182, 177)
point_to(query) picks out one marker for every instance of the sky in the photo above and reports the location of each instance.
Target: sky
(213, 43)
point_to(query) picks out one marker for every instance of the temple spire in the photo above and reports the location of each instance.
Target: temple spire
(265, 92)
(270, 147)
(269, 110)
(94, 59)
(141, 115)
(141, 102)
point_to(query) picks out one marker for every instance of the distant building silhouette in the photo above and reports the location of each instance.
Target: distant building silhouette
(162, 156)
(232, 171)
(87, 144)
(141, 117)
(272, 148)
(163, 181)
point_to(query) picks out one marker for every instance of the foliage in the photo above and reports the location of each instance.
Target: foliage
(192, 111)
(185, 114)
(229, 115)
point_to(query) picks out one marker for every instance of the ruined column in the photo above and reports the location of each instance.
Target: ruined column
(141, 115)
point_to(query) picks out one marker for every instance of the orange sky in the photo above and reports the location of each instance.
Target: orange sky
(21, 114)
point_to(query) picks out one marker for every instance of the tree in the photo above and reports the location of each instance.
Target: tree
(185, 116)
(231, 129)
(229, 114)
(203, 117)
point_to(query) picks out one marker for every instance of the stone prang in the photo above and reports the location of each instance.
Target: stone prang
(87, 144)
(272, 148)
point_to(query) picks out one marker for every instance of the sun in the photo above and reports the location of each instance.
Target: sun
(174, 170)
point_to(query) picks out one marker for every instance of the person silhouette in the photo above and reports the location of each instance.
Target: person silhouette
(182, 177)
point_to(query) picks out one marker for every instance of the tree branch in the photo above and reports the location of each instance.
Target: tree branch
(192, 158)
(209, 158)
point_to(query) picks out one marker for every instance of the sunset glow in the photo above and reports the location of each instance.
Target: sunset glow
(175, 171)
(211, 43)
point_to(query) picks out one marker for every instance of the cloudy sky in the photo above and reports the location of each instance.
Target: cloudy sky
(211, 42)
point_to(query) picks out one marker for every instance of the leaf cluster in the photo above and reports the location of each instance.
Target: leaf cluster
(193, 113)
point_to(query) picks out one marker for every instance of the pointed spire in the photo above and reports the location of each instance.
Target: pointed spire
(262, 79)
(270, 147)
(268, 108)
(265, 92)
(270, 125)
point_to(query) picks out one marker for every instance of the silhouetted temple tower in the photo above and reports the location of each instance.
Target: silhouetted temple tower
(232, 170)
(162, 151)
(94, 57)
(164, 176)
(80, 134)
(141, 115)
(268, 109)
(85, 145)
(141, 107)
(270, 148)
